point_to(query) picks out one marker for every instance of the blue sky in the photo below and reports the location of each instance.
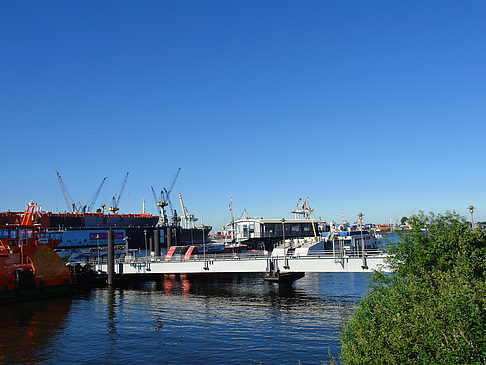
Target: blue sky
(365, 106)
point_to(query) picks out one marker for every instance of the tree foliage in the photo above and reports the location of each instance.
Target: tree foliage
(431, 308)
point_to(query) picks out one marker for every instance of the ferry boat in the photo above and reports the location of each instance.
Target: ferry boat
(265, 233)
(341, 238)
(29, 268)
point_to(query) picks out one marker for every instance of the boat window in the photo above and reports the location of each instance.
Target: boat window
(287, 229)
(269, 229)
(26, 233)
(3, 233)
(13, 233)
(295, 229)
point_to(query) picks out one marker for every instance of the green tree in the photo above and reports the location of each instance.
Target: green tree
(431, 308)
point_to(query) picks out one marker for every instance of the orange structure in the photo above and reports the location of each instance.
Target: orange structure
(28, 265)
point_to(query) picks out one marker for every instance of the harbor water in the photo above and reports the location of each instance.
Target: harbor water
(230, 320)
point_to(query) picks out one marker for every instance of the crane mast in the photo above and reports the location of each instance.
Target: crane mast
(184, 211)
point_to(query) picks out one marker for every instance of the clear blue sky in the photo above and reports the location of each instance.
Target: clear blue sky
(367, 106)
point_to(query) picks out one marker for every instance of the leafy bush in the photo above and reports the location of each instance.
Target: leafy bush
(432, 307)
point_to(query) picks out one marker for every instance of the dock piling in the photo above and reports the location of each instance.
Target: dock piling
(156, 243)
(111, 258)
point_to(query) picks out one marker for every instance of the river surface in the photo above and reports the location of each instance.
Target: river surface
(232, 320)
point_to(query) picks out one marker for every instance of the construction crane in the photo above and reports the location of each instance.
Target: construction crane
(115, 202)
(65, 193)
(92, 201)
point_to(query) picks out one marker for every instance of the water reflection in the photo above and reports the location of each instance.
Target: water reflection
(27, 330)
(227, 320)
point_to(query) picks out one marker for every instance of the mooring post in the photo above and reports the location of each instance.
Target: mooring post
(169, 237)
(111, 258)
(156, 243)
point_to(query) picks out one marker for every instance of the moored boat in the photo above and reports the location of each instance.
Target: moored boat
(29, 268)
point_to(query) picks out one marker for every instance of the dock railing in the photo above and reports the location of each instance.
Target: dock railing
(327, 254)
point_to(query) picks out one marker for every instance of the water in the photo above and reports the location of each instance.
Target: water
(235, 320)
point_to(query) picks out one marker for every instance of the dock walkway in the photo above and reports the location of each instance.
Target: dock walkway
(248, 263)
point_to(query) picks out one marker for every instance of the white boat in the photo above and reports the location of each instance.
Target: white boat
(348, 243)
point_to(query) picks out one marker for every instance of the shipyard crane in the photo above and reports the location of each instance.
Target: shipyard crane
(65, 193)
(91, 203)
(160, 204)
(115, 202)
(167, 193)
(188, 218)
(166, 199)
(175, 218)
(156, 201)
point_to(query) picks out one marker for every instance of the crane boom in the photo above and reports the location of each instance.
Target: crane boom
(65, 192)
(173, 182)
(156, 200)
(95, 196)
(121, 191)
(115, 202)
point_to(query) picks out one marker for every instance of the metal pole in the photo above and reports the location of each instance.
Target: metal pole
(283, 233)
(111, 258)
(471, 210)
(204, 247)
(98, 248)
(145, 239)
(360, 216)
(126, 246)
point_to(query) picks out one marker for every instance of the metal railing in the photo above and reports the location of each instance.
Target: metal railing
(324, 254)
(330, 253)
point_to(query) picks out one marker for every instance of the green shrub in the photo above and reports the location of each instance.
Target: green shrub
(432, 307)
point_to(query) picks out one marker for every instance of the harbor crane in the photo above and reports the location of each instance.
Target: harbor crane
(167, 195)
(160, 204)
(65, 193)
(116, 201)
(187, 218)
(175, 219)
(92, 201)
